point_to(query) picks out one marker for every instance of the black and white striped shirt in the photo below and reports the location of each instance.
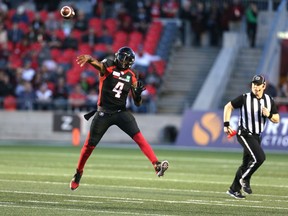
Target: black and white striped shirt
(251, 117)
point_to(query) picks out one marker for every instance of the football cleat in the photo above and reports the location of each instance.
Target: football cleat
(74, 184)
(246, 186)
(235, 194)
(161, 167)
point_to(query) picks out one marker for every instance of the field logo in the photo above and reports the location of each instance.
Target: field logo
(208, 129)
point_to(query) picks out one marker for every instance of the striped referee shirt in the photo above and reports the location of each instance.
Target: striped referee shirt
(250, 108)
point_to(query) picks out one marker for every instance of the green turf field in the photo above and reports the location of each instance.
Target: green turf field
(121, 181)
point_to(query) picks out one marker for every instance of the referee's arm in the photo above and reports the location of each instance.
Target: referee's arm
(228, 109)
(275, 118)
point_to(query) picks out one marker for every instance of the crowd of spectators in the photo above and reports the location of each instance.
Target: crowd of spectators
(38, 47)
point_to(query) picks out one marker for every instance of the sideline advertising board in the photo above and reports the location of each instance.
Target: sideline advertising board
(205, 129)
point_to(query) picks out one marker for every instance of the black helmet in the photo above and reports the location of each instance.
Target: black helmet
(124, 58)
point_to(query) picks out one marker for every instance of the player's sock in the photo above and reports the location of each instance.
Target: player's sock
(84, 155)
(145, 147)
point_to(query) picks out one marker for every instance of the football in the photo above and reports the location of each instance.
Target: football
(67, 12)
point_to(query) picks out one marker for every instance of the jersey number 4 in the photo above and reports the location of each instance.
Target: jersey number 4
(118, 89)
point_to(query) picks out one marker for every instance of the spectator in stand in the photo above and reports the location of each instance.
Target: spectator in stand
(81, 22)
(6, 88)
(105, 9)
(4, 55)
(60, 94)
(213, 24)
(284, 89)
(156, 9)
(3, 10)
(37, 23)
(44, 53)
(77, 98)
(3, 34)
(15, 34)
(185, 14)
(143, 60)
(92, 98)
(70, 42)
(83, 83)
(28, 72)
(52, 24)
(90, 37)
(105, 37)
(170, 8)
(54, 41)
(271, 89)
(199, 20)
(142, 20)
(152, 94)
(125, 23)
(153, 78)
(224, 18)
(43, 97)
(26, 96)
(20, 15)
(251, 22)
(236, 11)
(283, 94)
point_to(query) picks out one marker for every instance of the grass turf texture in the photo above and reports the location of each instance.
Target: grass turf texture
(121, 181)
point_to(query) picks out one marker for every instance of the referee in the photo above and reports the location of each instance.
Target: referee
(256, 108)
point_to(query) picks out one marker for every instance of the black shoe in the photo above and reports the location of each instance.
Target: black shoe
(246, 186)
(236, 195)
(161, 167)
(74, 184)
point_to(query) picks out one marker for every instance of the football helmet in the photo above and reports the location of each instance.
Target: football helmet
(124, 58)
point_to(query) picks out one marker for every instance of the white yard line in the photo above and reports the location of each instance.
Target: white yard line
(190, 201)
(131, 178)
(81, 210)
(38, 201)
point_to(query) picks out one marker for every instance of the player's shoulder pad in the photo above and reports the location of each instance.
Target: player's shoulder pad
(108, 62)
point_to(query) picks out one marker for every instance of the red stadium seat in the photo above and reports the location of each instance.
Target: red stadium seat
(10, 103)
(77, 34)
(96, 23)
(159, 67)
(31, 15)
(55, 53)
(84, 48)
(43, 15)
(60, 34)
(111, 25)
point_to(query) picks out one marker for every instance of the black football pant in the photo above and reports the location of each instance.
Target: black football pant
(102, 121)
(253, 157)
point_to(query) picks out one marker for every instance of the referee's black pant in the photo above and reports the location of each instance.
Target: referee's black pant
(253, 157)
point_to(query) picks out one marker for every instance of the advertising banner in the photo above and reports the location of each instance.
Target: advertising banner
(205, 129)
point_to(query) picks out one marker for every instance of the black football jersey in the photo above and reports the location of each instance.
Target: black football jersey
(114, 86)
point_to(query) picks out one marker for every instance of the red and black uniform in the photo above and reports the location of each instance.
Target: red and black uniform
(114, 87)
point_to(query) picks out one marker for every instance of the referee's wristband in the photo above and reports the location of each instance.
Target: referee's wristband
(226, 124)
(270, 116)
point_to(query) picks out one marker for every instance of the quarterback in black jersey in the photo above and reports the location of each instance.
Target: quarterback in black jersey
(116, 80)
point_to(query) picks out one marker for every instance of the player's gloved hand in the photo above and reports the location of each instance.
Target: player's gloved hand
(140, 88)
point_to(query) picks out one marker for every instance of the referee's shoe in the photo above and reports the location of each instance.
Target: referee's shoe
(246, 186)
(235, 194)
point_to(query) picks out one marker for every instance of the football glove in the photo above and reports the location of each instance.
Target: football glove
(140, 88)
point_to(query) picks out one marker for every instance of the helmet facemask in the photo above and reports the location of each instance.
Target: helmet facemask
(125, 58)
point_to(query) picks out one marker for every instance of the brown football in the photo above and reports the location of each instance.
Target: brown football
(67, 12)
